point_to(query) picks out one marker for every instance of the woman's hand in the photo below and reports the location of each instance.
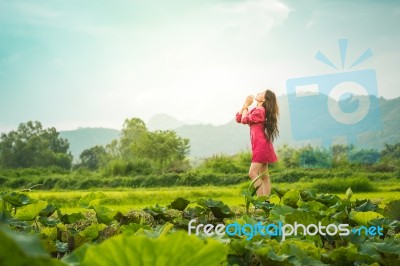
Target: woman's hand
(248, 101)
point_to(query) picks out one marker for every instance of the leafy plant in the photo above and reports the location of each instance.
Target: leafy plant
(19, 249)
(218, 208)
(251, 191)
(175, 249)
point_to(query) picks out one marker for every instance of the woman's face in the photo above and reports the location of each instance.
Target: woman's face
(260, 97)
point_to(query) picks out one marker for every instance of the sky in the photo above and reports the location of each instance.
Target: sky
(95, 63)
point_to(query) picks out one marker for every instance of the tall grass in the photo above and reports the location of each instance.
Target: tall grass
(337, 185)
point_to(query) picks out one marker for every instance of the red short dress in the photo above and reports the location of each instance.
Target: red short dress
(262, 149)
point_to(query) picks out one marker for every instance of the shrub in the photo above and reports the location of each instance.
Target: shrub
(335, 185)
(3, 180)
(18, 183)
(288, 176)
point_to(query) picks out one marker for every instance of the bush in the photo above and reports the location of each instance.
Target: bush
(379, 176)
(117, 168)
(288, 176)
(309, 157)
(142, 167)
(226, 164)
(89, 183)
(17, 183)
(340, 185)
(67, 183)
(3, 180)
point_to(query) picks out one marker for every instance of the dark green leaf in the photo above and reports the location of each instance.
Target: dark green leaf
(132, 228)
(92, 231)
(104, 214)
(17, 199)
(179, 204)
(218, 208)
(291, 198)
(280, 192)
(48, 211)
(20, 249)
(278, 212)
(366, 206)
(158, 213)
(47, 221)
(328, 199)
(70, 218)
(61, 247)
(308, 194)
(175, 249)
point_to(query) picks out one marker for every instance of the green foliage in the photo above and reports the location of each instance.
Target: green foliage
(220, 164)
(362, 218)
(31, 211)
(70, 218)
(16, 199)
(104, 214)
(32, 146)
(92, 231)
(179, 204)
(133, 131)
(93, 158)
(393, 210)
(288, 156)
(358, 184)
(165, 250)
(155, 236)
(18, 249)
(309, 157)
(364, 156)
(226, 164)
(291, 198)
(391, 152)
(162, 148)
(337, 156)
(218, 208)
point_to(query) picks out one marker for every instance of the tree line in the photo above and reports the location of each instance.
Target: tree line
(137, 149)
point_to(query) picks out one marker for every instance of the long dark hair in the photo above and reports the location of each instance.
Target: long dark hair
(271, 115)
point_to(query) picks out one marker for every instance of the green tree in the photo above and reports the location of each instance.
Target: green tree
(32, 146)
(288, 156)
(340, 154)
(134, 131)
(364, 156)
(93, 158)
(391, 152)
(139, 148)
(310, 157)
(162, 146)
(113, 150)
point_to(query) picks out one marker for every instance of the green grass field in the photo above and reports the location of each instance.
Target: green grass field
(136, 199)
(104, 229)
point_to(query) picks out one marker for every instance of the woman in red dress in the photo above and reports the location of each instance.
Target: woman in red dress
(263, 122)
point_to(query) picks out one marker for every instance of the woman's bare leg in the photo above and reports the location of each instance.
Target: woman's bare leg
(254, 171)
(266, 183)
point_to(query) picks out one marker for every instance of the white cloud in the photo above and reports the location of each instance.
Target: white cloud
(254, 18)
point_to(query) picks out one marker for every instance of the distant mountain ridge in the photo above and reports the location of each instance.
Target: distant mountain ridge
(85, 138)
(163, 122)
(230, 138)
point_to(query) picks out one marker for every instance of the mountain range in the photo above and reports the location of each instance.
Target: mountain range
(230, 138)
